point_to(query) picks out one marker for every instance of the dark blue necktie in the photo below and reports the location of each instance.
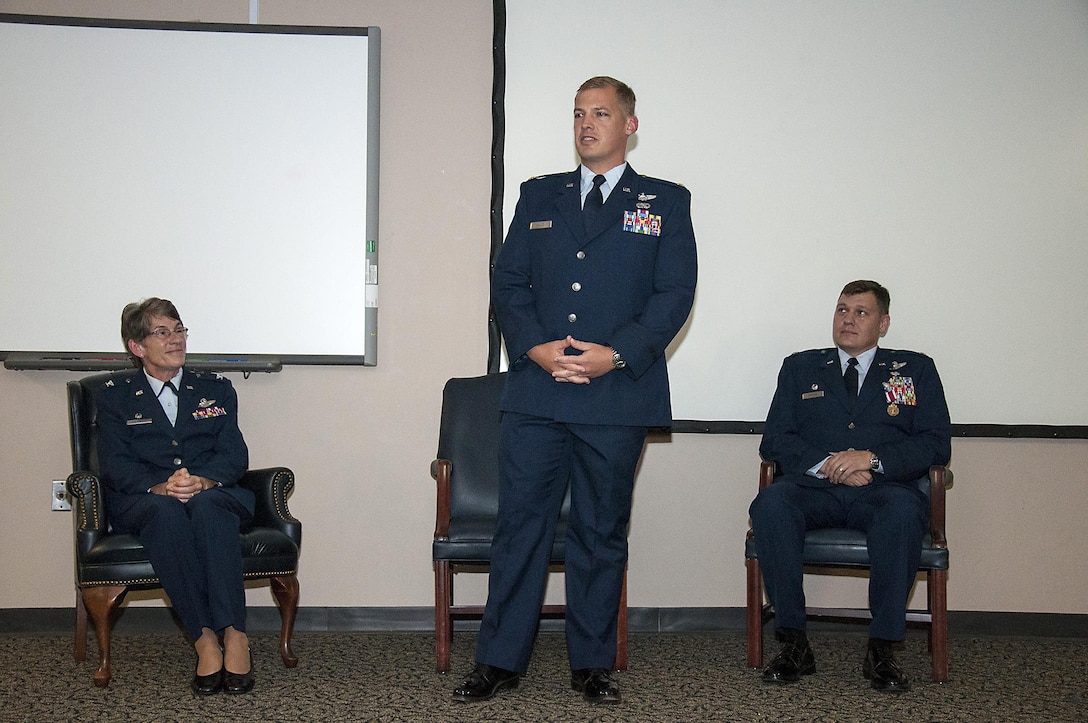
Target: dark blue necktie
(850, 378)
(594, 201)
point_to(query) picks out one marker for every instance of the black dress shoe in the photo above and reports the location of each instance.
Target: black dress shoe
(794, 660)
(483, 683)
(207, 684)
(239, 683)
(882, 670)
(595, 685)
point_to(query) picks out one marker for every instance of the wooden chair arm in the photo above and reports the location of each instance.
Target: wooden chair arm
(940, 479)
(766, 474)
(440, 471)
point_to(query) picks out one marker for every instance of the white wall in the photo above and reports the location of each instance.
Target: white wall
(938, 147)
(364, 493)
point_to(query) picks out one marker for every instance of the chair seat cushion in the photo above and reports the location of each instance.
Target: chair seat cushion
(837, 546)
(469, 541)
(122, 560)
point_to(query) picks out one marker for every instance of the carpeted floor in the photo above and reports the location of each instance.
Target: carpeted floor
(673, 677)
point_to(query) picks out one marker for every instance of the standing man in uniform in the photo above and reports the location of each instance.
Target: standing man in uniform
(596, 277)
(852, 429)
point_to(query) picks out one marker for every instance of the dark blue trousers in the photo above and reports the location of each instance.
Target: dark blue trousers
(195, 550)
(893, 516)
(538, 459)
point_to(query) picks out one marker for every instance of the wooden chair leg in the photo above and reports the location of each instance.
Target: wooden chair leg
(937, 584)
(621, 628)
(285, 590)
(754, 614)
(101, 603)
(443, 624)
(79, 651)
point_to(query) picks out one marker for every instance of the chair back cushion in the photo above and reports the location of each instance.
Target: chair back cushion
(82, 424)
(469, 437)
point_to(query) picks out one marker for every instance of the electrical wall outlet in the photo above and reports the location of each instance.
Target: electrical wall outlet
(60, 499)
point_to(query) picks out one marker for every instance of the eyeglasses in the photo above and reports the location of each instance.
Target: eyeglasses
(164, 334)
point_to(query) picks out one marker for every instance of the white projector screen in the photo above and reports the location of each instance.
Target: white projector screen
(231, 169)
(940, 148)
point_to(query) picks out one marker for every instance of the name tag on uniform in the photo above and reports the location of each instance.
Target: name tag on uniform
(134, 422)
(535, 225)
(812, 395)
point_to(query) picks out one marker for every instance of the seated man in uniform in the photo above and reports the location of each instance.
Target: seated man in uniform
(852, 429)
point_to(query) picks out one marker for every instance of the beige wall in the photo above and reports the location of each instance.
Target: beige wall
(360, 440)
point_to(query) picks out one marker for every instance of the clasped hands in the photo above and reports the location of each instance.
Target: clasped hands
(852, 468)
(182, 485)
(595, 360)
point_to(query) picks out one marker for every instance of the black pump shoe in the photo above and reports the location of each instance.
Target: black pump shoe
(207, 684)
(239, 683)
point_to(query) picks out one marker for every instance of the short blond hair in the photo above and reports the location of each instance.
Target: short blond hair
(624, 94)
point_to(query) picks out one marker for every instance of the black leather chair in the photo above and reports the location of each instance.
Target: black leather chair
(108, 565)
(467, 474)
(840, 547)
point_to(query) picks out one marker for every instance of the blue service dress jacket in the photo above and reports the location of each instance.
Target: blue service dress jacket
(628, 282)
(138, 447)
(900, 415)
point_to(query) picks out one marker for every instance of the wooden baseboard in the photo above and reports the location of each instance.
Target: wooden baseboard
(136, 620)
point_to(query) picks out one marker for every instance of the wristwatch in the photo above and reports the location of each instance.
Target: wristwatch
(617, 360)
(874, 463)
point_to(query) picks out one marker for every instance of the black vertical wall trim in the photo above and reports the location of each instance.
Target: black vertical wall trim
(498, 139)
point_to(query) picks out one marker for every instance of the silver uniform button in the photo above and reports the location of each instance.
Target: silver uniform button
(576, 286)
(581, 254)
(177, 460)
(572, 318)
